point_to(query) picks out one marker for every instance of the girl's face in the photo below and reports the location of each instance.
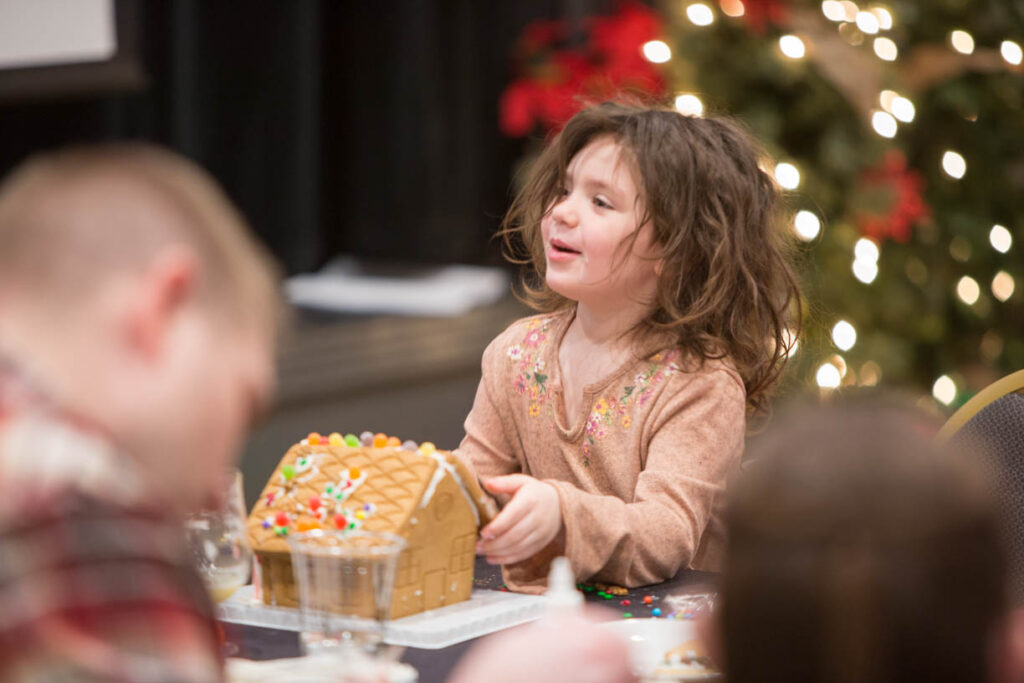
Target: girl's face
(586, 232)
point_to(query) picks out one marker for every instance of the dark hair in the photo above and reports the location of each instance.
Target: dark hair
(857, 552)
(726, 289)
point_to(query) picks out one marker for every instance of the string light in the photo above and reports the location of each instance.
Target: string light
(903, 109)
(886, 49)
(962, 41)
(807, 225)
(884, 17)
(733, 8)
(787, 175)
(867, 22)
(828, 376)
(866, 250)
(1003, 285)
(792, 47)
(657, 51)
(1011, 52)
(865, 271)
(884, 124)
(844, 335)
(690, 105)
(954, 164)
(833, 10)
(1000, 238)
(944, 390)
(790, 342)
(700, 14)
(886, 98)
(865, 260)
(968, 290)
(870, 374)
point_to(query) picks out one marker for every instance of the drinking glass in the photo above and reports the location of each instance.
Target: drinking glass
(217, 538)
(345, 580)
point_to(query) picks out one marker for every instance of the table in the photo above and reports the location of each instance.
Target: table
(435, 665)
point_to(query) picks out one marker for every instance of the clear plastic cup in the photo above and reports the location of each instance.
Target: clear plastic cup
(345, 580)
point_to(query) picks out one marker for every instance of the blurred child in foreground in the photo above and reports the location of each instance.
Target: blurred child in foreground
(137, 324)
(857, 552)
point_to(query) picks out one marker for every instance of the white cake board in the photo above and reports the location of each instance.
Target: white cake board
(485, 612)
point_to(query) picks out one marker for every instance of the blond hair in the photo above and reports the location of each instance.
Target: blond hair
(71, 217)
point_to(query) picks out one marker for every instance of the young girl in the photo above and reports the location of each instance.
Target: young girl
(609, 423)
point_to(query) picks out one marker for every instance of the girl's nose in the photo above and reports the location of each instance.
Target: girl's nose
(564, 213)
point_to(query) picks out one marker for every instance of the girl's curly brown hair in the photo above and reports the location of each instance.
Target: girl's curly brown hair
(726, 288)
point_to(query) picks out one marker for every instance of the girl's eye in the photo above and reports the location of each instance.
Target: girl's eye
(601, 203)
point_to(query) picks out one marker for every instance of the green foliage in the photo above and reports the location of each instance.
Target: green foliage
(909, 320)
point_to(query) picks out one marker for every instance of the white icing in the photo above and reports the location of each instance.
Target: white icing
(445, 467)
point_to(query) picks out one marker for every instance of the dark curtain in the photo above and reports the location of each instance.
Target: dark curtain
(363, 127)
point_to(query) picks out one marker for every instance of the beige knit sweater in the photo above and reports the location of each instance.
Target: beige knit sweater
(640, 472)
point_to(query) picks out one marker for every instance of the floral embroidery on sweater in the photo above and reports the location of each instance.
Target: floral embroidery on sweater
(530, 371)
(615, 411)
(530, 379)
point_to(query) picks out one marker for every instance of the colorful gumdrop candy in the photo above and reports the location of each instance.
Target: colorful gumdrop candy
(394, 442)
(307, 525)
(281, 519)
(352, 441)
(354, 473)
(288, 472)
(426, 448)
(380, 440)
(315, 503)
(336, 439)
(410, 446)
(314, 438)
(366, 439)
(339, 521)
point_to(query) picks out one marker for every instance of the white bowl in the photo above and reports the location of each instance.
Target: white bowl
(650, 639)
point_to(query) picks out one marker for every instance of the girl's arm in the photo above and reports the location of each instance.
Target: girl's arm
(485, 448)
(697, 440)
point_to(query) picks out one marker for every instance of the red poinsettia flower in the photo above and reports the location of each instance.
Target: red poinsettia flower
(888, 199)
(760, 14)
(555, 82)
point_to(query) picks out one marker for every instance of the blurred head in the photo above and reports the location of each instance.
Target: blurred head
(132, 289)
(698, 241)
(857, 552)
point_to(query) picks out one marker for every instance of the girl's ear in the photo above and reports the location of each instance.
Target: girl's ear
(659, 266)
(163, 290)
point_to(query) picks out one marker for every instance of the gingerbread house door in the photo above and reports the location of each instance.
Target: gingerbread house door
(433, 589)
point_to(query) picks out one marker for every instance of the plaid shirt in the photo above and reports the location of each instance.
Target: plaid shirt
(94, 585)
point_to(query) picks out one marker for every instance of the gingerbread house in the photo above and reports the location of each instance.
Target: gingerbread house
(374, 483)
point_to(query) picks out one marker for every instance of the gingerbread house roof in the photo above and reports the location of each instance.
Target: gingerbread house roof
(332, 486)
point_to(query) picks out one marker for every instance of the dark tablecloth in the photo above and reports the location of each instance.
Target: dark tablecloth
(435, 665)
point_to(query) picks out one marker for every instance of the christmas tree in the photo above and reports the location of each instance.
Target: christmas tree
(897, 132)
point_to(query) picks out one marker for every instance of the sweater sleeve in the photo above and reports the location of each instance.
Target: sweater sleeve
(695, 440)
(486, 449)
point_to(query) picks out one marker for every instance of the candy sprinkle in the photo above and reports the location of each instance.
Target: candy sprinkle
(353, 473)
(627, 615)
(648, 599)
(656, 612)
(625, 603)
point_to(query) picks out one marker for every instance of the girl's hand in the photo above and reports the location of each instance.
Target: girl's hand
(530, 521)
